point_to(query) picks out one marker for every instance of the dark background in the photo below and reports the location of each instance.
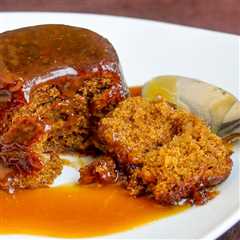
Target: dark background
(218, 15)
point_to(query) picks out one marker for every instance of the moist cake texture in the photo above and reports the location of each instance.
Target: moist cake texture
(56, 82)
(162, 152)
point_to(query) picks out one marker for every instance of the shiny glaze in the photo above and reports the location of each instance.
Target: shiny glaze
(77, 211)
(135, 91)
(63, 55)
(35, 55)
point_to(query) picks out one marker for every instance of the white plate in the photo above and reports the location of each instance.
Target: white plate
(147, 49)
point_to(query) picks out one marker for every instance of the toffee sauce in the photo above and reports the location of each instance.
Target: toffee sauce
(78, 211)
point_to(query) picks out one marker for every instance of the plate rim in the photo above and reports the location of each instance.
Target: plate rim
(123, 17)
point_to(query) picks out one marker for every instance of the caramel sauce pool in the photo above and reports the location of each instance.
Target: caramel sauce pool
(76, 211)
(135, 91)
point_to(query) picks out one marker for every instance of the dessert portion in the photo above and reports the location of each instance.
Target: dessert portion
(56, 83)
(102, 170)
(159, 151)
(62, 91)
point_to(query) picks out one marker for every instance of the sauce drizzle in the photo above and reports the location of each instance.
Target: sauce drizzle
(76, 211)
